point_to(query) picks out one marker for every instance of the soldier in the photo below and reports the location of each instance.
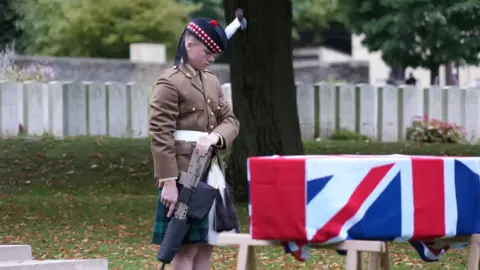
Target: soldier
(187, 107)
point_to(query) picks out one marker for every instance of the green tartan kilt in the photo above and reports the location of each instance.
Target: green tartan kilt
(198, 232)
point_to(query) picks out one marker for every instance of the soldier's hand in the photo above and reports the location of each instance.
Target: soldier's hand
(170, 196)
(204, 143)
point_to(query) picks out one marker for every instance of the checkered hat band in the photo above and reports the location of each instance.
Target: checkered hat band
(202, 35)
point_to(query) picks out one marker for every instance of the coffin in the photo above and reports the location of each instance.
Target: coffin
(331, 198)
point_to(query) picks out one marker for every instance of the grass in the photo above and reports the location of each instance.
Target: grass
(49, 203)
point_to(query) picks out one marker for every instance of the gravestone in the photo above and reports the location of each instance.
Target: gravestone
(472, 114)
(97, 114)
(389, 113)
(346, 106)
(36, 109)
(455, 105)
(227, 92)
(76, 108)
(138, 95)
(368, 110)
(326, 110)
(412, 103)
(306, 110)
(57, 107)
(10, 102)
(435, 101)
(117, 109)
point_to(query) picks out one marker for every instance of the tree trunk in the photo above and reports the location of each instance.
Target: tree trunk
(450, 78)
(434, 72)
(263, 86)
(398, 74)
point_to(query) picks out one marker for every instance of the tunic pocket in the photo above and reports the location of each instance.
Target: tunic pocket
(191, 115)
(183, 153)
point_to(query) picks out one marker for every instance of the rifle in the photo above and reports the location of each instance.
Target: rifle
(195, 200)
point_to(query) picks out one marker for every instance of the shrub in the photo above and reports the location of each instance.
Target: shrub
(435, 131)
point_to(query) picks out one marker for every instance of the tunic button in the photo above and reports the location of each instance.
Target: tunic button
(208, 100)
(211, 113)
(193, 109)
(218, 107)
(211, 127)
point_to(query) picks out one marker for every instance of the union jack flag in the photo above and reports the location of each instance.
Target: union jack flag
(329, 199)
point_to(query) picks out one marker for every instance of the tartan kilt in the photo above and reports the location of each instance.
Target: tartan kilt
(198, 232)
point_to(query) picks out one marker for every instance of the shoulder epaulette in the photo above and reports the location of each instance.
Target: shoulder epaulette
(169, 72)
(209, 71)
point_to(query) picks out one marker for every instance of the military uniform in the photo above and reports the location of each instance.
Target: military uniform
(186, 101)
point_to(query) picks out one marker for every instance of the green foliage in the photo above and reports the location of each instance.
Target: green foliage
(8, 16)
(310, 14)
(314, 14)
(207, 9)
(89, 28)
(307, 14)
(427, 130)
(426, 33)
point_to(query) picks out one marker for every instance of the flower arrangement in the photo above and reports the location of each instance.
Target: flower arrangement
(9, 71)
(427, 130)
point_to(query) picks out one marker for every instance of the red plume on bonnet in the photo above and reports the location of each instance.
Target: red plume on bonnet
(213, 23)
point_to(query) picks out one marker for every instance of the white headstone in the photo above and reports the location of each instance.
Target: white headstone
(455, 105)
(97, 95)
(227, 92)
(412, 107)
(435, 102)
(306, 110)
(37, 107)
(368, 110)
(117, 108)
(326, 112)
(389, 113)
(347, 106)
(139, 110)
(10, 103)
(76, 109)
(472, 114)
(57, 109)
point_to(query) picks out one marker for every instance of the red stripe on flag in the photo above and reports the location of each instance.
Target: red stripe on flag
(428, 198)
(277, 198)
(333, 227)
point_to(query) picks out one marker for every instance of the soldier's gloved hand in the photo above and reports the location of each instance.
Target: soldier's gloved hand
(205, 142)
(170, 196)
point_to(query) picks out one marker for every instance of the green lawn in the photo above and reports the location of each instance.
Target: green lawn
(94, 198)
(118, 227)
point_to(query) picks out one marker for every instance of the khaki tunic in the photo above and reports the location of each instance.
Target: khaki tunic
(181, 100)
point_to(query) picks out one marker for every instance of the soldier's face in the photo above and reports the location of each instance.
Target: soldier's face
(199, 56)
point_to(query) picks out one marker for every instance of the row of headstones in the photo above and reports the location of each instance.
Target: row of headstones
(382, 113)
(121, 110)
(74, 108)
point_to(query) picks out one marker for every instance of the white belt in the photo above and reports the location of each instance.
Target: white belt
(188, 135)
